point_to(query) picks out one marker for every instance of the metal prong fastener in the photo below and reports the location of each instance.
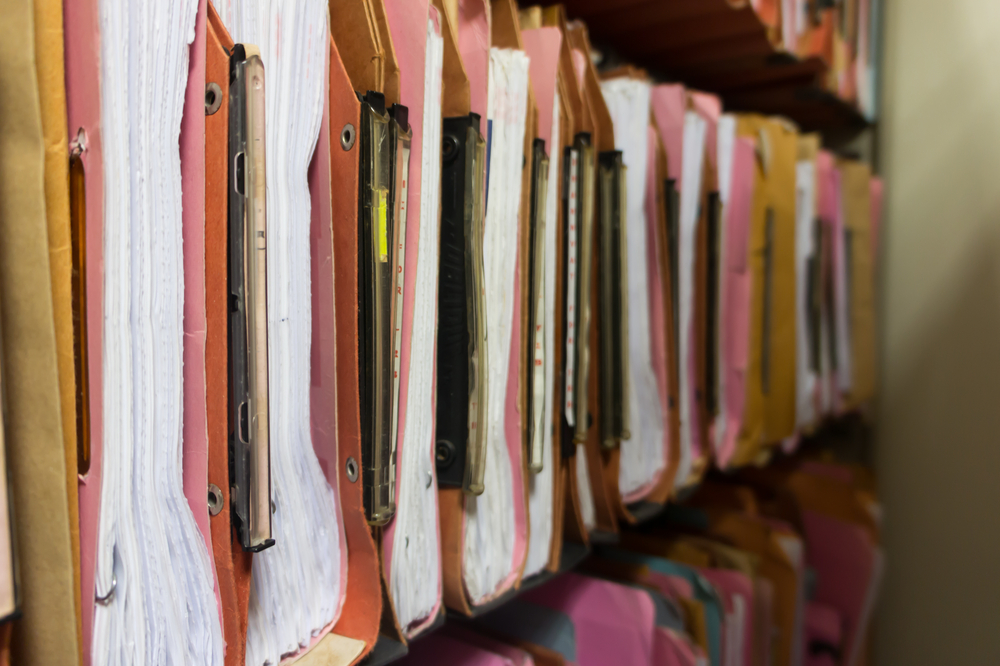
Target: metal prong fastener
(110, 596)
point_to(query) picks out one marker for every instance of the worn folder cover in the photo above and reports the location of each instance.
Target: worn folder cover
(36, 458)
(363, 598)
(597, 121)
(567, 304)
(82, 41)
(544, 45)
(50, 67)
(736, 285)
(771, 366)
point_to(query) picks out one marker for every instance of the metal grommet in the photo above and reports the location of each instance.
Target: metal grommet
(213, 98)
(215, 500)
(449, 147)
(430, 479)
(347, 136)
(110, 596)
(352, 470)
(444, 453)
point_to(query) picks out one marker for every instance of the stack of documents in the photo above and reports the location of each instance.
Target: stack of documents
(643, 456)
(415, 560)
(304, 564)
(387, 306)
(148, 544)
(490, 529)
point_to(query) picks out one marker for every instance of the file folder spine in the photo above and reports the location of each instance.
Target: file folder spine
(613, 302)
(381, 138)
(673, 203)
(584, 219)
(462, 363)
(250, 477)
(713, 232)
(534, 345)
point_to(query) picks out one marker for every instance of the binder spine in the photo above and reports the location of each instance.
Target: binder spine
(613, 303)
(460, 437)
(376, 245)
(712, 282)
(249, 451)
(534, 344)
(585, 255)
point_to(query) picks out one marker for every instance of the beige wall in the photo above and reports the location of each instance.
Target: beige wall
(938, 440)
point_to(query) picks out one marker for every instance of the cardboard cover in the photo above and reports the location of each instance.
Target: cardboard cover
(362, 609)
(36, 457)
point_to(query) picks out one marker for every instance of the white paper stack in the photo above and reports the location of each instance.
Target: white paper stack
(488, 557)
(805, 219)
(541, 484)
(725, 150)
(643, 456)
(295, 590)
(154, 572)
(415, 570)
(695, 129)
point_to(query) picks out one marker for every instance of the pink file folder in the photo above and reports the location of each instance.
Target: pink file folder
(614, 623)
(439, 649)
(408, 27)
(734, 323)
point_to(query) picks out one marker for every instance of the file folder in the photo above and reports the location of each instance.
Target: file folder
(441, 648)
(735, 411)
(357, 60)
(771, 366)
(660, 200)
(570, 356)
(305, 474)
(684, 135)
(547, 487)
(36, 514)
(50, 67)
(83, 110)
(180, 365)
(807, 287)
(518, 656)
(597, 123)
(547, 634)
(232, 562)
(410, 542)
(467, 46)
(613, 623)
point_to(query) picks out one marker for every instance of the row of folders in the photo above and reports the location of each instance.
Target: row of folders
(773, 566)
(320, 319)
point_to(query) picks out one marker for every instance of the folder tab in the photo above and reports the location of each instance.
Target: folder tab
(460, 440)
(250, 459)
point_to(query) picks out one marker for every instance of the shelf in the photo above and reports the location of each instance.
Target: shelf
(712, 46)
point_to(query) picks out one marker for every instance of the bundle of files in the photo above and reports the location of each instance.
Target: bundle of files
(776, 566)
(324, 320)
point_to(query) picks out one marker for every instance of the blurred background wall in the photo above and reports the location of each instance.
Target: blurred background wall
(938, 434)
